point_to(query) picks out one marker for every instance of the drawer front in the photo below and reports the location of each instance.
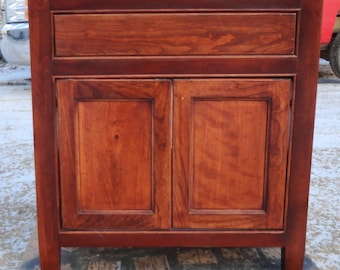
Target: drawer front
(178, 34)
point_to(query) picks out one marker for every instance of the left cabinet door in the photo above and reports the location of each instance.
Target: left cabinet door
(114, 153)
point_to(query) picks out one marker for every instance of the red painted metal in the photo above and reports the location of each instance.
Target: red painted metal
(330, 11)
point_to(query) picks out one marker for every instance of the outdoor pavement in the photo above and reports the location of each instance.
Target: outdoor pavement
(18, 237)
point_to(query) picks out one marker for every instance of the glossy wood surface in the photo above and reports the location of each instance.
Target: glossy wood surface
(149, 34)
(45, 150)
(114, 153)
(172, 4)
(170, 67)
(173, 238)
(230, 153)
(302, 141)
(63, 80)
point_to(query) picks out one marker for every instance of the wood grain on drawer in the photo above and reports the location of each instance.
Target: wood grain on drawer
(172, 4)
(179, 34)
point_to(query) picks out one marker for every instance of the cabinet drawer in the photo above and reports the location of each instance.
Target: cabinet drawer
(177, 34)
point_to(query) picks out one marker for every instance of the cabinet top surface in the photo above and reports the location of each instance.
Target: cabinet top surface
(175, 4)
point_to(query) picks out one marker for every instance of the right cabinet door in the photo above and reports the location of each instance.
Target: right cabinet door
(231, 146)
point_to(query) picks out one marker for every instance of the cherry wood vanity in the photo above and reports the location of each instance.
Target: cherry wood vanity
(173, 123)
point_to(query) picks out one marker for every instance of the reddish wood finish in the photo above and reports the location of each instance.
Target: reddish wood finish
(173, 238)
(151, 34)
(168, 67)
(46, 165)
(302, 141)
(230, 153)
(202, 140)
(114, 138)
(172, 4)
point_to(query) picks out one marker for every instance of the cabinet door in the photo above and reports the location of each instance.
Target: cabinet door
(231, 141)
(114, 153)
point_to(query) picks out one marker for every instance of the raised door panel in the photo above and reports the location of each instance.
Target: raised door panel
(230, 153)
(114, 153)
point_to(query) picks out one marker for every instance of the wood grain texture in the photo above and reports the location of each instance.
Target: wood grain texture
(173, 238)
(172, 4)
(151, 34)
(228, 154)
(114, 153)
(230, 145)
(302, 139)
(45, 137)
(170, 67)
(274, 55)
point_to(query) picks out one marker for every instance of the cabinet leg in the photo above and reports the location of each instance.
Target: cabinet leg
(292, 258)
(50, 258)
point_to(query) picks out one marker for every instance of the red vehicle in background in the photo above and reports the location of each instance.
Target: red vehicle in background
(330, 34)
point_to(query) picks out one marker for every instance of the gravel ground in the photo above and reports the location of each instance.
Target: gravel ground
(323, 233)
(17, 190)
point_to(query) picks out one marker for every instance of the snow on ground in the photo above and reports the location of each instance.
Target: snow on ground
(14, 75)
(323, 233)
(17, 189)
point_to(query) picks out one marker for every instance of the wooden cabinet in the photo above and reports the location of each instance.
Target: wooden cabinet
(173, 123)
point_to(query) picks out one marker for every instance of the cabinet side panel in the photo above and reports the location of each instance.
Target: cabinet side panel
(173, 4)
(46, 164)
(302, 139)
